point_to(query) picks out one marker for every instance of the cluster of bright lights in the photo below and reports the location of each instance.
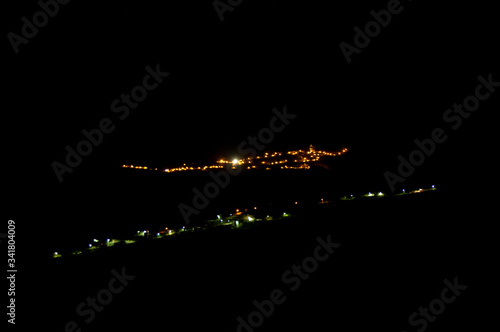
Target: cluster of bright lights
(313, 155)
(199, 168)
(303, 166)
(267, 159)
(136, 167)
(244, 216)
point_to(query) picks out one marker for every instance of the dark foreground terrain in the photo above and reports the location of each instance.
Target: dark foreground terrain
(393, 257)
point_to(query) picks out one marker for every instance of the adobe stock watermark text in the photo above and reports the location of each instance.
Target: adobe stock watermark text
(120, 106)
(453, 117)
(246, 149)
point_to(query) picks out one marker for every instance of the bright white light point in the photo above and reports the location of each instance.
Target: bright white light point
(235, 161)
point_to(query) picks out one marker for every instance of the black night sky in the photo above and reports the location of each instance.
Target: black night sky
(225, 78)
